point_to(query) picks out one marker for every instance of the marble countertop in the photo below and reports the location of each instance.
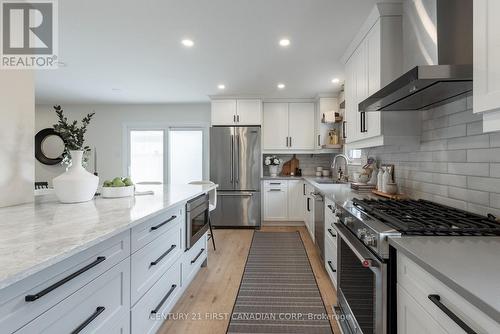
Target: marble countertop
(36, 235)
(468, 265)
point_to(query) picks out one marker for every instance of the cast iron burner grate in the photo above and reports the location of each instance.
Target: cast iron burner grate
(421, 217)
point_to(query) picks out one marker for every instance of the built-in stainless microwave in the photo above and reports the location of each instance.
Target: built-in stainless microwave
(196, 219)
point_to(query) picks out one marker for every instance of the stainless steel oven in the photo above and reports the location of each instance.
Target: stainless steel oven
(362, 283)
(196, 219)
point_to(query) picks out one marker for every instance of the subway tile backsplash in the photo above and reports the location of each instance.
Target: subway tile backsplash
(456, 164)
(307, 162)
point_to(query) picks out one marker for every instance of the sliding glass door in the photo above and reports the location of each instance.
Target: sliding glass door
(175, 155)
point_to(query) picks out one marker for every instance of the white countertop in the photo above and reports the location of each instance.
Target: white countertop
(468, 265)
(36, 235)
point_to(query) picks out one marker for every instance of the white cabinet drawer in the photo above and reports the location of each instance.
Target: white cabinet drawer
(148, 314)
(331, 260)
(148, 231)
(102, 306)
(151, 261)
(420, 284)
(193, 259)
(275, 184)
(51, 285)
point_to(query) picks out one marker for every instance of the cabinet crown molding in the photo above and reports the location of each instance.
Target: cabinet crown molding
(380, 10)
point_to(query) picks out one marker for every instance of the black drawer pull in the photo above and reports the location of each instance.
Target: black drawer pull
(158, 307)
(154, 263)
(165, 222)
(275, 183)
(84, 324)
(331, 233)
(274, 189)
(331, 267)
(436, 299)
(31, 298)
(197, 256)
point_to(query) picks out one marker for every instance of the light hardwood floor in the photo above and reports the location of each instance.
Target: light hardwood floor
(215, 287)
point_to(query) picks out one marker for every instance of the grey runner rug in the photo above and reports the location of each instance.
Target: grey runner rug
(278, 292)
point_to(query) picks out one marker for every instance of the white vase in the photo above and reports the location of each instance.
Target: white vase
(76, 184)
(273, 170)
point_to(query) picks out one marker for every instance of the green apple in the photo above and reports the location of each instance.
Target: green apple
(118, 183)
(128, 181)
(107, 183)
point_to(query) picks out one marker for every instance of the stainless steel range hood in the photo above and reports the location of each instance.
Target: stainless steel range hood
(437, 44)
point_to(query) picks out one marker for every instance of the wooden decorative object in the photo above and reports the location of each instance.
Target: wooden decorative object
(290, 166)
(389, 196)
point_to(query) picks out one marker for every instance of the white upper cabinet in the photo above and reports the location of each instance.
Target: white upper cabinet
(486, 84)
(275, 129)
(237, 112)
(372, 61)
(249, 112)
(301, 126)
(288, 126)
(223, 112)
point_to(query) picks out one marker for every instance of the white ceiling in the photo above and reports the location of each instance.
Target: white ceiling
(134, 46)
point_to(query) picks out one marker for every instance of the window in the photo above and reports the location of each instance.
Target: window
(355, 156)
(185, 155)
(146, 156)
(163, 154)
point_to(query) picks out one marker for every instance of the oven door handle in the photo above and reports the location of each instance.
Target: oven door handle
(358, 248)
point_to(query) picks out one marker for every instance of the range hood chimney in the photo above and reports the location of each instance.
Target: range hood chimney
(438, 48)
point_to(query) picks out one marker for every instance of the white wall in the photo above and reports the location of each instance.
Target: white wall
(105, 131)
(17, 118)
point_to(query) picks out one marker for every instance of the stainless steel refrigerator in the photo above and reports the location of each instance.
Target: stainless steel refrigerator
(235, 162)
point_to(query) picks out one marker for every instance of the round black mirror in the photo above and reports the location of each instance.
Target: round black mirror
(49, 147)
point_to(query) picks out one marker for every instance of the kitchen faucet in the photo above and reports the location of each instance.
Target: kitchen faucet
(341, 175)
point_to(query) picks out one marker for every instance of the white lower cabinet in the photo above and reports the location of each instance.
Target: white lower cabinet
(412, 318)
(148, 314)
(418, 314)
(102, 306)
(296, 205)
(193, 260)
(276, 200)
(284, 200)
(330, 241)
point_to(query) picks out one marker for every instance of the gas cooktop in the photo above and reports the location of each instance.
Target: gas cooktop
(425, 218)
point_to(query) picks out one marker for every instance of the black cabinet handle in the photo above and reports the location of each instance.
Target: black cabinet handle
(31, 298)
(363, 122)
(87, 321)
(344, 133)
(154, 263)
(319, 140)
(238, 118)
(197, 256)
(153, 228)
(330, 207)
(436, 299)
(158, 307)
(273, 189)
(234, 118)
(275, 183)
(331, 233)
(290, 141)
(304, 188)
(308, 206)
(331, 266)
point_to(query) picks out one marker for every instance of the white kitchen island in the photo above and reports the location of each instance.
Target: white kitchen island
(107, 266)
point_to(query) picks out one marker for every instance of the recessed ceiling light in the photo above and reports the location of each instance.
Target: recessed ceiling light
(335, 80)
(284, 42)
(281, 86)
(116, 90)
(187, 43)
(221, 87)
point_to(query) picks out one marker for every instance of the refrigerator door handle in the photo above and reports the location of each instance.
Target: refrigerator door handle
(232, 158)
(237, 157)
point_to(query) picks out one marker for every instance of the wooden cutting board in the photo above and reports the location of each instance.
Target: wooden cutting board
(290, 166)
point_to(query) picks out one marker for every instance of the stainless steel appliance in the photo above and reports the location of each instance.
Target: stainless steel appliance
(366, 264)
(437, 46)
(197, 215)
(319, 222)
(235, 162)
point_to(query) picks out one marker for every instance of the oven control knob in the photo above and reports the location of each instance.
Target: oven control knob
(349, 220)
(370, 240)
(361, 233)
